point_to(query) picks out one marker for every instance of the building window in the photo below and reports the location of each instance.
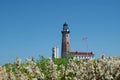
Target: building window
(66, 35)
(67, 42)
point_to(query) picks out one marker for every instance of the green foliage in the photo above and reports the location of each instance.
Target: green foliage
(60, 61)
(62, 69)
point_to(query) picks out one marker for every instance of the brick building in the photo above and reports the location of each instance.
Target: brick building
(65, 48)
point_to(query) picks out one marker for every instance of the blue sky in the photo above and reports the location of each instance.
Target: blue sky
(29, 28)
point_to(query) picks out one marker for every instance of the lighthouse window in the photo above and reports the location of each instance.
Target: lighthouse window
(67, 42)
(66, 35)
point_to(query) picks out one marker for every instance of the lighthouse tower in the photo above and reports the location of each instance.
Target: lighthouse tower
(65, 41)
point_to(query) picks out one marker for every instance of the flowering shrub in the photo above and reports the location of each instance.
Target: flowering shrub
(62, 69)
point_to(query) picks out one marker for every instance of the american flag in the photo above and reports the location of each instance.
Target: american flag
(84, 38)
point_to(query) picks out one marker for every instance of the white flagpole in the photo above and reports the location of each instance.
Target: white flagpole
(85, 40)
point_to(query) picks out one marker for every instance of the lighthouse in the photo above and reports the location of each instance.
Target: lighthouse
(65, 48)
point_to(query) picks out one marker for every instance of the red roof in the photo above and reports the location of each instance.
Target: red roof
(90, 54)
